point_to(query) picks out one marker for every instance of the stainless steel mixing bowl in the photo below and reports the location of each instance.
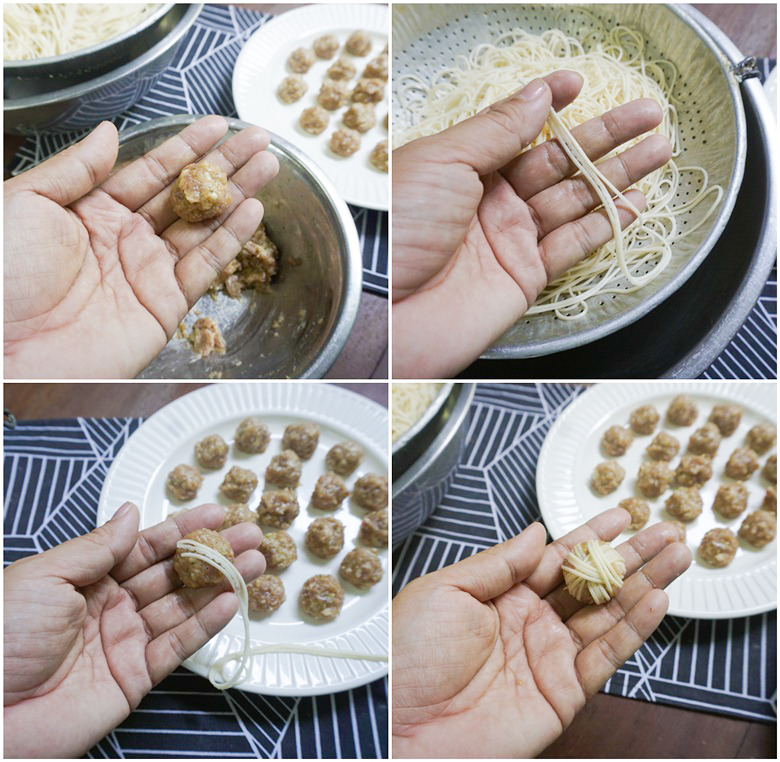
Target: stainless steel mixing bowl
(84, 105)
(24, 79)
(299, 328)
(427, 38)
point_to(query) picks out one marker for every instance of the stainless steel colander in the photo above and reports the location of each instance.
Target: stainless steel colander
(427, 38)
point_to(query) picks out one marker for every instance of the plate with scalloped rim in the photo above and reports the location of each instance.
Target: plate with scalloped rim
(167, 438)
(571, 450)
(262, 65)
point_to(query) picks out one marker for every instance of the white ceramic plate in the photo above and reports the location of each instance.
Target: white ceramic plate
(262, 65)
(139, 474)
(748, 585)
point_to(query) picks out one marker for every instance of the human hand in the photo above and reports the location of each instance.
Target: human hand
(493, 658)
(93, 624)
(479, 231)
(99, 271)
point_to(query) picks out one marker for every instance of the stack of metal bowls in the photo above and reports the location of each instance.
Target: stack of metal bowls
(78, 90)
(426, 456)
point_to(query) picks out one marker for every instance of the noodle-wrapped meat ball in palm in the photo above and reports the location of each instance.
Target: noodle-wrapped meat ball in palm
(638, 509)
(201, 192)
(682, 411)
(759, 528)
(301, 60)
(266, 594)
(195, 573)
(358, 44)
(278, 509)
(370, 492)
(329, 492)
(314, 120)
(239, 484)
(368, 91)
(326, 46)
(663, 447)
(373, 529)
(342, 70)
(211, 452)
(302, 439)
(322, 597)
(343, 458)
(770, 500)
(333, 94)
(279, 550)
(769, 471)
(742, 463)
(616, 440)
(184, 482)
(730, 500)
(718, 547)
(593, 572)
(292, 88)
(654, 478)
(238, 513)
(644, 419)
(325, 537)
(705, 441)
(607, 477)
(362, 568)
(252, 436)
(284, 469)
(693, 470)
(726, 418)
(761, 437)
(378, 156)
(684, 503)
(360, 117)
(344, 142)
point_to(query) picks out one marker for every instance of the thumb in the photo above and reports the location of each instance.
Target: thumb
(492, 572)
(75, 171)
(87, 559)
(494, 136)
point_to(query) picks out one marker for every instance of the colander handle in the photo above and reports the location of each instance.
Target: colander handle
(747, 68)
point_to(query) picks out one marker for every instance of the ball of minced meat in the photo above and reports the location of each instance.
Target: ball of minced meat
(726, 418)
(663, 447)
(360, 117)
(284, 470)
(684, 503)
(266, 594)
(211, 452)
(206, 338)
(368, 91)
(377, 68)
(302, 439)
(370, 492)
(378, 156)
(644, 419)
(329, 492)
(761, 437)
(358, 43)
(252, 436)
(616, 440)
(693, 470)
(679, 526)
(769, 471)
(238, 513)
(742, 463)
(759, 528)
(344, 142)
(373, 529)
(292, 88)
(705, 441)
(194, 572)
(718, 547)
(342, 70)
(325, 537)
(730, 500)
(239, 484)
(201, 192)
(638, 509)
(184, 482)
(362, 568)
(279, 550)
(654, 478)
(278, 508)
(607, 477)
(343, 458)
(334, 93)
(314, 120)
(682, 411)
(322, 597)
(301, 60)
(770, 500)
(326, 46)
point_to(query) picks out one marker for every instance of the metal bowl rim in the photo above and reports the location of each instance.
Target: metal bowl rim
(441, 397)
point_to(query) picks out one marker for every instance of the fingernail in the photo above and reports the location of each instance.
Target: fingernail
(532, 90)
(122, 511)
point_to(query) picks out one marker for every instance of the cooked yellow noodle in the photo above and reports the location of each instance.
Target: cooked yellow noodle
(410, 401)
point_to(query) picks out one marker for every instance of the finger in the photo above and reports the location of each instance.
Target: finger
(75, 171)
(176, 607)
(159, 542)
(84, 560)
(572, 198)
(495, 570)
(258, 171)
(159, 580)
(569, 243)
(494, 136)
(547, 164)
(600, 660)
(243, 147)
(141, 180)
(198, 269)
(591, 622)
